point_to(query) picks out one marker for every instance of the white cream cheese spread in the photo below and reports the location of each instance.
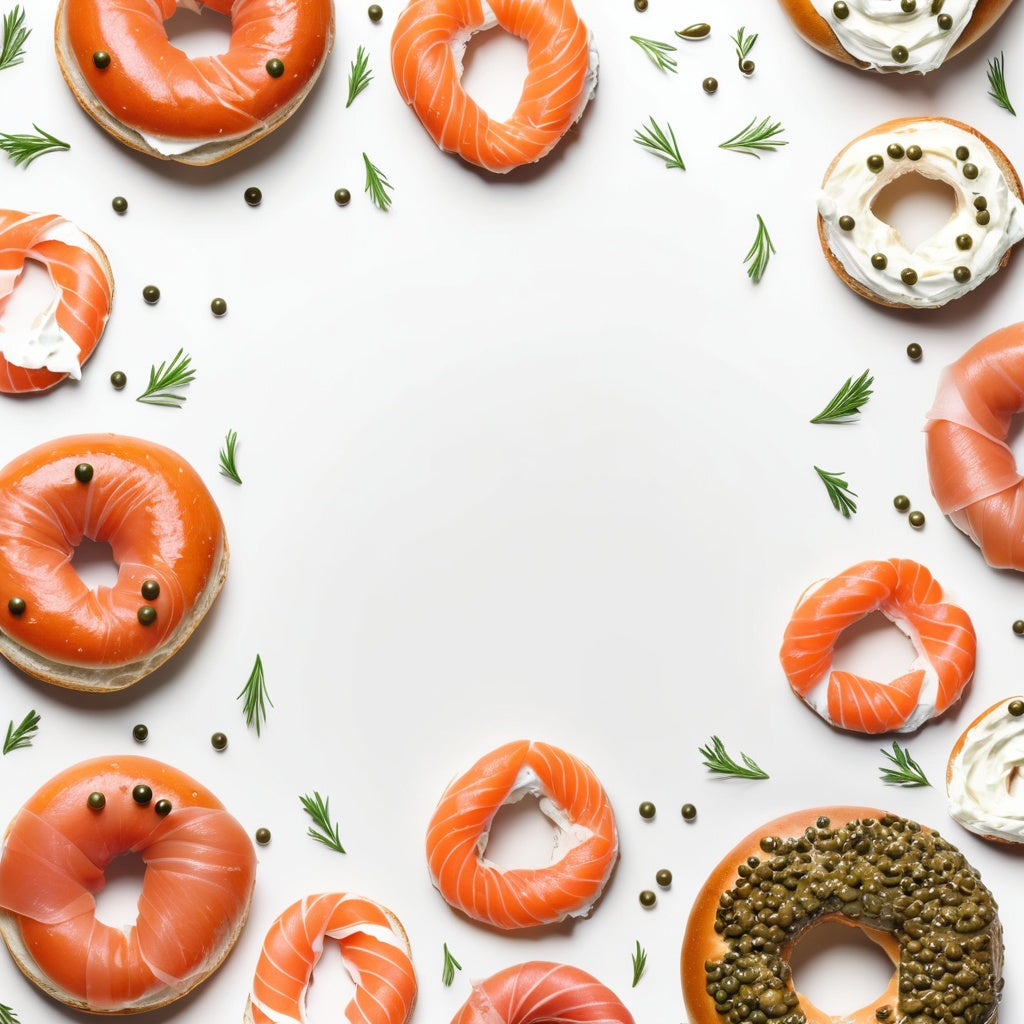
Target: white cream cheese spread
(984, 793)
(897, 35)
(987, 220)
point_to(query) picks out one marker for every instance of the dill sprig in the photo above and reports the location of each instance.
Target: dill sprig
(23, 149)
(997, 80)
(847, 401)
(658, 52)
(718, 761)
(377, 185)
(655, 140)
(744, 44)
(838, 491)
(14, 35)
(359, 76)
(323, 830)
(164, 380)
(7, 1015)
(449, 967)
(907, 771)
(760, 252)
(255, 696)
(754, 137)
(21, 735)
(227, 456)
(639, 962)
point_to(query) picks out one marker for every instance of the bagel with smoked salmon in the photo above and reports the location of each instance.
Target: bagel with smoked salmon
(909, 890)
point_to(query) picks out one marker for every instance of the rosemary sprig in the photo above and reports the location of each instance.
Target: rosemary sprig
(227, 457)
(658, 52)
(907, 771)
(717, 760)
(754, 137)
(23, 149)
(323, 830)
(744, 44)
(847, 401)
(449, 967)
(359, 76)
(164, 379)
(14, 35)
(760, 252)
(639, 962)
(377, 185)
(21, 735)
(256, 697)
(997, 80)
(838, 491)
(655, 140)
(7, 1015)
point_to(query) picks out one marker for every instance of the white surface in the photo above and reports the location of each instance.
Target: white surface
(523, 456)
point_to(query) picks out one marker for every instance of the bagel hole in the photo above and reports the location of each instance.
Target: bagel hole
(31, 298)
(93, 560)
(521, 836)
(494, 69)
(916, 206)
(198, 33)
(873, 648)
(330, 986)
(835, 966)
(117, 903)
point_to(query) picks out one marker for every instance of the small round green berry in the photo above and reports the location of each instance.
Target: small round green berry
(901, 503)
(140, 733)
(16, 606)
(689, 812)
(647, 810)
(1018, 627)
(151, 294)
(914, 351)
(342, 196)
(219, 741)
(218, 307)
(275, 67)
(96, 801)
(119, 204)
(648, 898)
(142, 794)
(263, 836)
(118, 379)
(710, 85)
(664, 878)
(162, 807)
(146, 615)
(253, 196)
(916, 519)
(101, 59)
(375, 12)
(83, 472)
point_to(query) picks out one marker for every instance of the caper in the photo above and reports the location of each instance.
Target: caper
(140, 733)
(980, 203)
(895, 150)
(83, 472)
(908, 6)
(96, 801)
(101, 59)
(964, 242)
(970, 171)
(118, 379)
(879, 261)
(375, 12)
(914, 152)
(1018, 627)
(945, 22)
(689, 812)
(900, 54)
(162, 807)
(219, 741)
(640, 5)
(263, 836)
(142, 794)
(962, 152)
(875, 162)
(901, 503)
(253, 196)
(647, 810)
(709, 85)
(914, 351)
(275, 67)
(151, 294)
(342, 196)
(982, 217)
(840, 10)
(846, 222)
(916, 519)
(150, 589)
(961, 274)
(1016, 708)
(218, 306)
(16, 606)
(119, 203)
(664, 878)
(648, 898)
(147, 615)
(747, 66)
(699, 30)
(908, 275)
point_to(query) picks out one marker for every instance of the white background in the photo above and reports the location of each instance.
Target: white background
(523, 456)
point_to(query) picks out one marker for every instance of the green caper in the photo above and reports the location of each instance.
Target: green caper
(980, 203)
(895, 150)
(162, 807)
(709, 85)
(648, 898)
(901, 503)
(914, 351)
(914, 152)
(970, 171)
(375, 12)
(908, 275)
(900, 54)
(253, 196)
(275, 67)
(689, 812)
(747, 66)
(151, 294)
(146, 615)
(875, 162)
(263, 836)
(879, 261)
(640, 5)
(140, 733)
(964, 242)
(840, 10)
(664, 878)
(83, 472)
(1018, 627)
(961, 274)
(118, 379)
(1016, 708)
(16, 606)
(916, 519)
(945, 22)
(647, 810)
(219, 741)
(846, 222)
(218, 306)
(142, 794)
(342, 196)
(150, 589)
(908, 6)
(699, 30)
(96, 801)
(962, 152)
(119, 203)
(982, 217)
(101, 59)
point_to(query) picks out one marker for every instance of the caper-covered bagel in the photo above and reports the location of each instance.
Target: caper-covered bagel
(909, 889)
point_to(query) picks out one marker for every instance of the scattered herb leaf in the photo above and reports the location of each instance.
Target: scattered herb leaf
(227, 457)
(907, 771)
(717, 760)
(838, 491)
(164, 379)
(359, 75)
(377, 185)
(256, 697)
(23, 149)
(7, 1015)
(847, 401)
(997, 80)
(754, 137)
(699, 30)
(449, 967)
(639, 962)
(760, 252)
(658, 52)
(323, 830)
(14, 35)
(21, 735)
(744, 44)
(655, 140)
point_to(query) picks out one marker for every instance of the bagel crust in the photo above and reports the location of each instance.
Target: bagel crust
(910, 890)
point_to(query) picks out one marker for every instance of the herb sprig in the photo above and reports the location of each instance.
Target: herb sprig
(227, 457)
(449, 967)
(756, 138)
(14, 35)
(377, 185)
(7, 1015)
(21, 735)
(717, 760)
(255, 696)
(359, 75)
(23, 149)
(907, 772)
(639, 963)
(658, 52)
(164, 380)
(323, 830)
(744, 44)
(997, 80)
(847, 401)
(838, 491)
(654, 139)
(760, 252)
